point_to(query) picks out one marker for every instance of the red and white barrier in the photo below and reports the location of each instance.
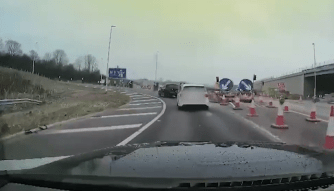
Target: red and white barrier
(329, 140)
(237, 103)
(313, 114)
(252, 112)
(223, 101)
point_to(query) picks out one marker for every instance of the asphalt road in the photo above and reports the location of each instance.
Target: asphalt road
(148, 118)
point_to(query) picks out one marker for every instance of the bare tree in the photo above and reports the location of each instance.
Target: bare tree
(78, 63)
(60, 57)
(47, 56)
(13, 47)
(94, 67)
(89, 61)
(33, 55)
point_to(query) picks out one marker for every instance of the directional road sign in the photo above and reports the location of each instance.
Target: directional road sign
(225, 84)
(117, 73)
(245, 85)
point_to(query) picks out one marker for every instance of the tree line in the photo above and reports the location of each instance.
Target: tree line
(54, 65)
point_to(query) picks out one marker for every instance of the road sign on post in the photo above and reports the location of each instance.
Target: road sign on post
(118, 73)
(245, 85)
(225, 84)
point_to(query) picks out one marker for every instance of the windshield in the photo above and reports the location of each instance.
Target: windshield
(174, 86)
(78, 77)
(194, 89)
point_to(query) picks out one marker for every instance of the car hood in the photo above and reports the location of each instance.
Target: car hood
(193, 160)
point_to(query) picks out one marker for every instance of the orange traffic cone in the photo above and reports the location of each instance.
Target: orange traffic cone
(223, 101)
(270, 104)
(252, 112)
(280, 119)
(313, 115)
(329, 140)
(286, 108)
(261, 100)
(237, 104)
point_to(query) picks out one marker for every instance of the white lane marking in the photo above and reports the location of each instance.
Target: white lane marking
(262, 129)
(135, 134)
(132, 94)
(139, 108)
(140, 98)
(27, 163)
(232, 104)
(124, 92)
(137, 95)
(144, 103)
(126, 115)
(144, 100)
(95, 129)
(307, 115)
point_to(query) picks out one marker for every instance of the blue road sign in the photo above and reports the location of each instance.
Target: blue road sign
(119, 73)
(245, 85)
(225, 84)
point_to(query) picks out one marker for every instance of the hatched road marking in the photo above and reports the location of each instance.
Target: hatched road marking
(95, 129)
(127, 115)
(139, 108)
(144, 100)
(144, 103)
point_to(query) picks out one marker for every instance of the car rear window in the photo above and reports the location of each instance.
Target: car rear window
(172, 86)
(194, 88)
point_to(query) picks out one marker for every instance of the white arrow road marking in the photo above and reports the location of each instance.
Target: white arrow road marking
(126, 115)
(95, 129)
(140, 108)
(144, 103)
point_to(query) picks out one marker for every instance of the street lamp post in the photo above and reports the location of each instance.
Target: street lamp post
(156, 67)
(315, 74)
(108, 56)
(33, 62)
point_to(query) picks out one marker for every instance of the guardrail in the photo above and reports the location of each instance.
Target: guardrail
(9, 102)
(17, 101)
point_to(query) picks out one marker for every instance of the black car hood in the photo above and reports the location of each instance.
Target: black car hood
(193, 160)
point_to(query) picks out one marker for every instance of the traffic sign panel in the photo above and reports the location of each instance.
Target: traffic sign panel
(245, 85)
(117, 72)
(225, 84)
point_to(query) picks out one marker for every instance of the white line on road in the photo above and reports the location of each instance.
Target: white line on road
(144, 100)
(127, 115)
(137, 95)
(140, 98)
(140, 108)
(27, 163)
(144, 103)
(95, 129)
(132, 94)
(307, 115)
(127, 140)
(232, 104)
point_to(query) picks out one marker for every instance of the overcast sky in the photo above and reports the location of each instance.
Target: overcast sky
(196, 40)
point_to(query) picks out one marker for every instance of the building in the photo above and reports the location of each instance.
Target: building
(303, 82)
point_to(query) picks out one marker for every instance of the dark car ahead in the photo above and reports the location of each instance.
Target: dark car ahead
(168, 90)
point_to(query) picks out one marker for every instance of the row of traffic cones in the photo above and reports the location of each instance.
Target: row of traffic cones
(279, 123)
